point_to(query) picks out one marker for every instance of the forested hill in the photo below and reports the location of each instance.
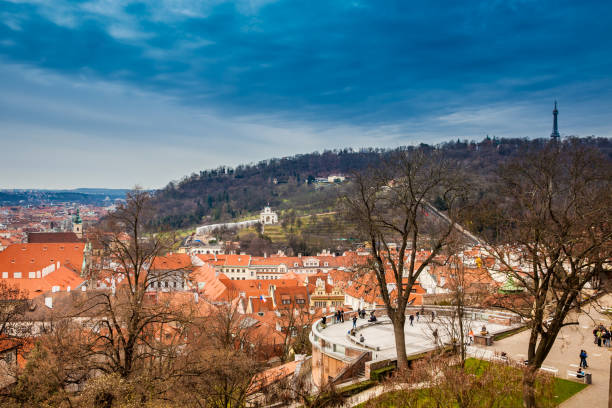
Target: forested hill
(287, 183)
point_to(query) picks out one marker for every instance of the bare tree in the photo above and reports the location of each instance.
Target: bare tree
(295, 324)
(556, 229)
(13, 304)
(465, 287)
(220, 360)
(390, 203)
(130, 317)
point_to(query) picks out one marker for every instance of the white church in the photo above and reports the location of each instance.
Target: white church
(268, 217)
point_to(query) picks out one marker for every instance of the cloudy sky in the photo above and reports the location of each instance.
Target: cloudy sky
(113, 93)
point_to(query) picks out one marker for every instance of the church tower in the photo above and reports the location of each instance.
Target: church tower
(555, 133)
(77, 225)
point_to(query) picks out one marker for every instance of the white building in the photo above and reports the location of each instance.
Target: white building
(335, 178)
(268, 217)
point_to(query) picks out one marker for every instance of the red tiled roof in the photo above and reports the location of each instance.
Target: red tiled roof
(33, 257)
(172, 262)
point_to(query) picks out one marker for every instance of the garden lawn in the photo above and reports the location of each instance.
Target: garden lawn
(562, 390)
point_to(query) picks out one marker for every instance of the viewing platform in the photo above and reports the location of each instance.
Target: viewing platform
(339, 356)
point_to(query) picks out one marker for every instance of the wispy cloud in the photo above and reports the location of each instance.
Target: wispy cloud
(327, 73)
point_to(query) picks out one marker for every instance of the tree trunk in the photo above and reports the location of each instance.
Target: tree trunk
(610, 385)
(400, 342)
(461, 334)
(529, 378)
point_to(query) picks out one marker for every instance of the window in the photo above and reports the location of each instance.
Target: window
(166, 284)
(4, 275)
(300, 301)
(17, 275)
(32, 275)
(286, 301)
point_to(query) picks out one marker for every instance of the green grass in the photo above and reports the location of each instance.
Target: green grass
(510, 333)
(562, 390)
(382, 373)
(357, 387)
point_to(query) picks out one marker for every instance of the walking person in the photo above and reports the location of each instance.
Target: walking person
(354, 321)
(599, 334)
(417, 315)
(411, 318)
(583, 357)
(433, 315)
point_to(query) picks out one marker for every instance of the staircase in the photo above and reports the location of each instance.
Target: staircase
(355, 370)
(361, 372)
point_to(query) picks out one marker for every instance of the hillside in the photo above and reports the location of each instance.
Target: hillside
(288, 183)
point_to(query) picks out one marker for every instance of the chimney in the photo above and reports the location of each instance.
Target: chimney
(299, 255)
(68, 289)
(49, 302)
(265, 254)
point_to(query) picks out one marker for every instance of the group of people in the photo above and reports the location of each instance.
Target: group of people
(583, 364)
(602, 336)
(412, 316)
(339, 316)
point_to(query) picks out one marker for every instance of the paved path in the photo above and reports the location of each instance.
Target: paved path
(566, 352)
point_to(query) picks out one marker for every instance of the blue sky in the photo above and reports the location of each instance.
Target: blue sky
(113, 93)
